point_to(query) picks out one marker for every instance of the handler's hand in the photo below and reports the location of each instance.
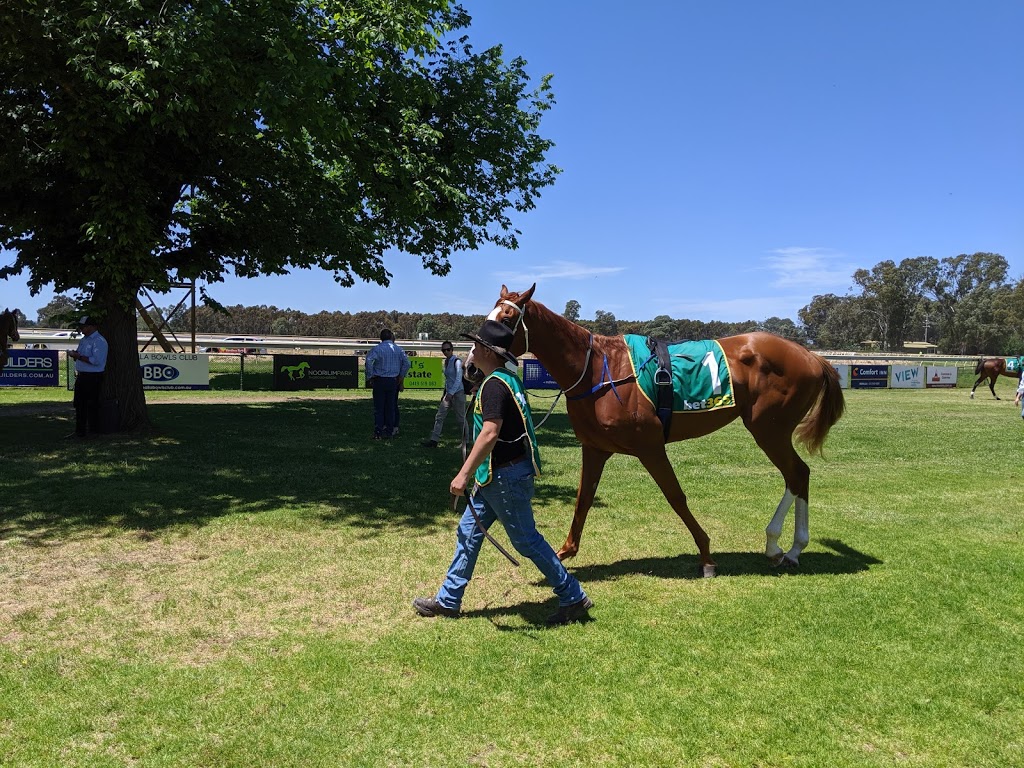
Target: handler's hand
(459, 483)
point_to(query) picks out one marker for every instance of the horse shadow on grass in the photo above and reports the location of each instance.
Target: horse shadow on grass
(840, 561)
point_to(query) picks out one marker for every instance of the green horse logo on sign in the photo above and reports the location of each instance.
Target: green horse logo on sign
(295, 370)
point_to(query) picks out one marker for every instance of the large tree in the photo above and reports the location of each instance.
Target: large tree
(147, 141)
(965, 289)
(890, 295)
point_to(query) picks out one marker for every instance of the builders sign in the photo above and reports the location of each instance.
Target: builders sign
(31, 368)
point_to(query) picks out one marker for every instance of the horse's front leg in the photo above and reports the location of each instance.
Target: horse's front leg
(590, 475)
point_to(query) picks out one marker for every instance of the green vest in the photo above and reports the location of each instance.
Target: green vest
(483, 472)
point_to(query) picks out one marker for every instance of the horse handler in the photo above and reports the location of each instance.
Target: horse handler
(503, 461)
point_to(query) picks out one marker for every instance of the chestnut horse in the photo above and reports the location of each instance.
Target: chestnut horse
(779, 387)
(8, 332)
(992, 368)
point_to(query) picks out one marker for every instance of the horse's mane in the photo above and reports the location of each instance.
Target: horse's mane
(577, 332)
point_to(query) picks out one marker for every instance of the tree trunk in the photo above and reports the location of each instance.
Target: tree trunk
(123, 380)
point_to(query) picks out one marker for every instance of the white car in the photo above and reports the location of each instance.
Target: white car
(236, 345)
(61, 340)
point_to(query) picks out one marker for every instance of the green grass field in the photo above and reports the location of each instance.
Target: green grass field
(235, 591)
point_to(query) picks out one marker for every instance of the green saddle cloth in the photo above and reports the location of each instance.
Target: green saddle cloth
(1014, 363)
(700, 374)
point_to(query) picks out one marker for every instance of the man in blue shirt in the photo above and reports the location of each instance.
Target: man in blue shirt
(386, 366)
(454, 397)
(90, 363)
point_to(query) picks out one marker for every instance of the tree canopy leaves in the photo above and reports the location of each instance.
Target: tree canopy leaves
(147, 141)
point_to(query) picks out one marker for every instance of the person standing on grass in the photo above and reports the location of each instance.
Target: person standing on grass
(386, 366)
(90, 363)
(453, 397)
(1020, 396)
(503, 462)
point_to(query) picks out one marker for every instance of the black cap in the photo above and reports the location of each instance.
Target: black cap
(496, 337)
(86, 321)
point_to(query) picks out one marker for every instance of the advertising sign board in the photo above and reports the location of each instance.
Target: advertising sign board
(295, 372)
(869, 376)
(174, 370)
(31, 368)
(843, 369)
(907, 377)
(940, 376)
(425, 373)
(536, 376)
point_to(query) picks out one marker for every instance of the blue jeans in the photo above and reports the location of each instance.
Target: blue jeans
(385, 405)
(506, 498)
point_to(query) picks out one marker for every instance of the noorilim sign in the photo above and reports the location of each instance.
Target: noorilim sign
(293, 372)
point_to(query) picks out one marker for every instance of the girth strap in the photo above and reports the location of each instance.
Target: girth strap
(663, 380)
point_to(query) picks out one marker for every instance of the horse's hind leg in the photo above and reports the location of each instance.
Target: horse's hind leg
(797, 475)
(980, 379)
(590, 475)
(664, 475)
(992, 386)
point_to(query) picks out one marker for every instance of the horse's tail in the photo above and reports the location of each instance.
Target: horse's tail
(825, 412)
(980, 365)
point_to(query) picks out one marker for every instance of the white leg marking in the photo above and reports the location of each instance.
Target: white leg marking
(774, 529)
(802, 532)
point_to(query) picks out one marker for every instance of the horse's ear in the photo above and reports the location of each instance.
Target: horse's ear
(504, 291)
(528, 294)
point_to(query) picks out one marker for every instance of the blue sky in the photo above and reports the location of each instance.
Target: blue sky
(729, 160)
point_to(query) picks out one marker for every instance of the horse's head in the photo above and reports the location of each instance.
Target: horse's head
(510, 309)
(10, 324)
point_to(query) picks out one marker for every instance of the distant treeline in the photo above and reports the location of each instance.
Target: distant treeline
(966, 304)
(269, 320)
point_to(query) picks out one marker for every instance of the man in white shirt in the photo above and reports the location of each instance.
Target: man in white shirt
(453, 398)
(90, 363)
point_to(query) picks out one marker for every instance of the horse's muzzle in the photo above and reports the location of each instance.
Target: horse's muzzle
(473, 373)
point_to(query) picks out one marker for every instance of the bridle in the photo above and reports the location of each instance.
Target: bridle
(606, 378)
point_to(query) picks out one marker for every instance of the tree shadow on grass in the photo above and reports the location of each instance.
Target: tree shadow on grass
(314, 458)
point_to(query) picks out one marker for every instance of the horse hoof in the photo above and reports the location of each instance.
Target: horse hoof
(706, 571)
(776, 560)
(785, 563)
